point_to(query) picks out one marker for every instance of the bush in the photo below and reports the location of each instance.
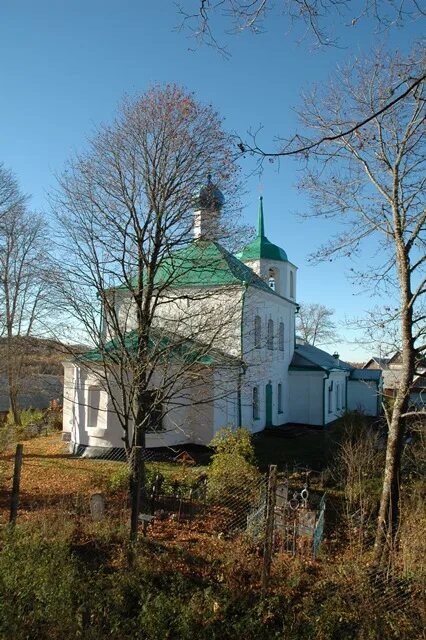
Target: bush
(234, 441)
(37, 587)
(232, 475)
(119, 479)
(27, 416)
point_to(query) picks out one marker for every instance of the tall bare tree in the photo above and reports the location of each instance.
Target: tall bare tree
(132, 280)
(314, 323)
(23, 281)
(316, 15)
(373, 182)
(319, 17)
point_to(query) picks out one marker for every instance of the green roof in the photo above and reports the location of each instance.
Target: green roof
(162, 344)
(205, 263)
(261, 247)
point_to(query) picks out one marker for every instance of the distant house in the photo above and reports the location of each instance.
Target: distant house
(391, 369)
(323, 387)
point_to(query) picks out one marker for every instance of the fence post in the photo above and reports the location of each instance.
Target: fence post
(14, 502)
(269, 529)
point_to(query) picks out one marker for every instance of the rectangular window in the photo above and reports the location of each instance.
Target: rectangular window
(330, 397)
(337, 397)
(280, 397)
(93, 405)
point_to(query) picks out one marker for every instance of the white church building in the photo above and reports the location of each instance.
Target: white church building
(258, 375)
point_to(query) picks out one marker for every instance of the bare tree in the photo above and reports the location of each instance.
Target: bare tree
(316, 16)
(133, 282)
(373, 182)
(315, 325)
(23, 281)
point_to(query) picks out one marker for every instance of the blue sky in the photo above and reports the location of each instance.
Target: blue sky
(66, 65)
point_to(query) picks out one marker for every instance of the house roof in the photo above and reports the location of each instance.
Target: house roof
(310, 357)
(205, 263)
(382, 363)
(366, 374)
(261, 247)
(164, 345)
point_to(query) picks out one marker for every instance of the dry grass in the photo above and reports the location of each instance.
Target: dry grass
(50, 475)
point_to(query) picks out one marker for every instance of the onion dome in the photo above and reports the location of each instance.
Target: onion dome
(209, 196)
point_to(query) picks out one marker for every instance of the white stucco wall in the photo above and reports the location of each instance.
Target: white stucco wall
(195, 411)
(282, 272)
(315, 398)
(335, 403)
(306, 397)
(210, 315)
(363, 395)
(264, 365)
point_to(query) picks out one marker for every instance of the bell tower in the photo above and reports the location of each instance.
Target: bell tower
(269, 261)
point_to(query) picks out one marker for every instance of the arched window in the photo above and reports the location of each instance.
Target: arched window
(255, 403)
(271, 279)
(257, 332)
(281, 336)
(291, 284)
(270, 334)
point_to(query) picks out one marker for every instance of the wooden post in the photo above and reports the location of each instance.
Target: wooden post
(16, 483)
(270, 521)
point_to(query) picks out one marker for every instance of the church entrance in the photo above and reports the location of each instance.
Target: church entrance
(268, 401)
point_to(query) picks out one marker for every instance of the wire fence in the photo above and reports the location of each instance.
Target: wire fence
(58, 487)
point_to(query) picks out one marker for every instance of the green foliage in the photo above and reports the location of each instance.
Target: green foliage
(234, 441)
(232, 474)
(60, 587)
(37, 582)
(118, 480)
(27, 416)
(177, 478)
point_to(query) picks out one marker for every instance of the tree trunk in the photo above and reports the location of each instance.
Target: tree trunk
(137, 480)
(389, 510)
(137, 476)
(12, 384)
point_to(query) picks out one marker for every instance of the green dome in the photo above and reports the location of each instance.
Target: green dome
(261, 247)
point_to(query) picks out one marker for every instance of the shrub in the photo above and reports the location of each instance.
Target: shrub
(119, 479)
(232, 476)
(234, 441)
(37, 587)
